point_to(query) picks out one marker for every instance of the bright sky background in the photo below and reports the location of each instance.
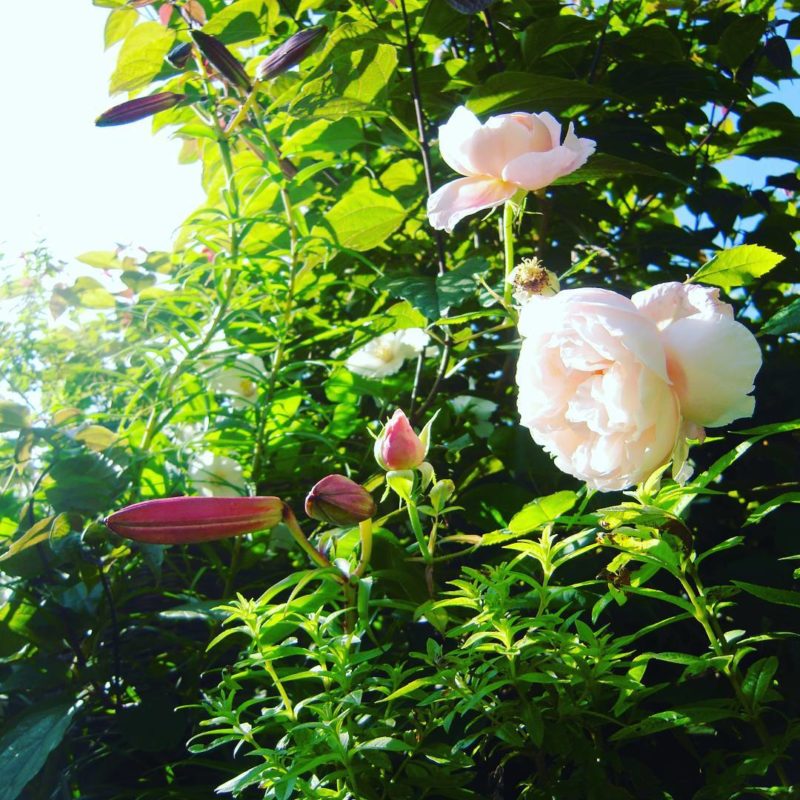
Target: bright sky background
(81, 188)
(64, 181)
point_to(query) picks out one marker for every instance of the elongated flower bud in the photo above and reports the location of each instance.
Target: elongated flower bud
(179, 55)
(398, 447)
(339, 501)
(189, 520)
(290, 53)
(221, 59)
(139, 108)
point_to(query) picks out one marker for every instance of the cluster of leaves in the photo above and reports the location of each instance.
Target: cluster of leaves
(487, 676)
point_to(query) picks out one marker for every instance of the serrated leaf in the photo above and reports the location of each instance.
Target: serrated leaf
(102, 259)
(384, 743)
(239, 21)
(787, 320)
(738, 266)
(141, 57)
(119, 22)
(364, 218)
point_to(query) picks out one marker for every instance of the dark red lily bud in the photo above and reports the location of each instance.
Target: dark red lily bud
(179, 55)
(221, 59)
(189, 520)
(290, 53)
(139, 108)
(339, 501)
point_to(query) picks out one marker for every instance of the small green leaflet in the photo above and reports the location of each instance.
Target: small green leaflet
(738, 266)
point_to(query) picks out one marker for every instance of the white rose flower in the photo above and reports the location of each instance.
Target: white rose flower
(593, 387)
(385, 355)
(505, 154)
(238, 379)
(217, 476)
(612, 387)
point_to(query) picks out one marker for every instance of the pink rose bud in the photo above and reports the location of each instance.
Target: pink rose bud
(339, 501)
(189, 520)
(398, 447)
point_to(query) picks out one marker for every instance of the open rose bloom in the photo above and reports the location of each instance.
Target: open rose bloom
(612, 387)
(507, 153)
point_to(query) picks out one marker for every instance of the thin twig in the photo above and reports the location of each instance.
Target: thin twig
(498, 59)
(600, 43)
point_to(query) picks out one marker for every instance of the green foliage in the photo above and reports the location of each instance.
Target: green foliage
(511, 634)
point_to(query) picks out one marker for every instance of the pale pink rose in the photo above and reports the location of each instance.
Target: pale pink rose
(712, 360)
(507, 153)
(594, 389)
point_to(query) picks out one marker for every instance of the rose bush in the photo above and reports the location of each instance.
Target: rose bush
(611, 386)
(507, 153)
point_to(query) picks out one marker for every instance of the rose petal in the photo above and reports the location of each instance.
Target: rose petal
(453, 135)
(499, 141)
(671, 301)
(712, 362)
(465, 196)
(533, 171)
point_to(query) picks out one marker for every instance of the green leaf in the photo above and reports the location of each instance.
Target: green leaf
(787, 320)
(241, 20)
(418, 683)
(783, 597)
(666, 720)
(92, 293)
(458, 285)
(13, 416)
(512, 91)
(759, 678)
(119, 22)
(141, 57)
(364, 218)
(102, 259)
(96, 437)
(755, 516)
(384, 743)
(419, 291)
(738, 266)
(28, 742)
(541, 511)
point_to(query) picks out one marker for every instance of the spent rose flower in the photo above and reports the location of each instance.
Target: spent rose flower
(507, 153)
(385, 354)
(611, 387)
(217, 476)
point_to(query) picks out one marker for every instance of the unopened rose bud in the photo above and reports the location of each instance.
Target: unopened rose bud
(531, 279)
(398, 447)
(189, 520)
(141, 107)
(290, 53)
(221, 59)
(179, 55)
(339, 501)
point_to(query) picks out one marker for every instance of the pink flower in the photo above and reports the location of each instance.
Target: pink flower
(398, 447)
(507, 153)
(611, 387)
